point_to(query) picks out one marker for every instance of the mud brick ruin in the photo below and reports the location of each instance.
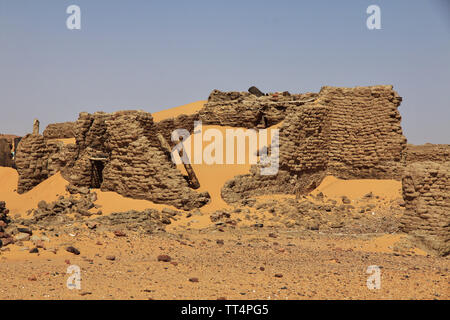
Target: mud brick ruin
(426, 191)
(63, 130)
(115, 152)
(351, 133)
(6, 153)
(427, 152)
(346, 132)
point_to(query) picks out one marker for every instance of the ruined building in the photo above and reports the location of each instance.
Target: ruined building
(346, 132)
(115, 152)
(426, 191)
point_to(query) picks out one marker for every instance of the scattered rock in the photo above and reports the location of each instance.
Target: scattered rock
(34, 250)
(119, 233)
(22, 237)
(164, 258)
(73, 250)
(346, 200)
(278, 275)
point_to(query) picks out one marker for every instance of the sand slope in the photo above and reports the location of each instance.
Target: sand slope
(187, 109)
(48, 190)
(336, 188)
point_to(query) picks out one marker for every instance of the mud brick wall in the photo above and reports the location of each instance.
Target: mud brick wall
(347, 132)
(167, 126)
(242, 109)
(5, 154)
(31, 162)
(426, 191)
(304, 140)
(140, 169)
(427, 152)
(366, 139)
(61, 130)
(61, 157)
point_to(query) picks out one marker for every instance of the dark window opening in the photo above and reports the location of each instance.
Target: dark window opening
(97, 173)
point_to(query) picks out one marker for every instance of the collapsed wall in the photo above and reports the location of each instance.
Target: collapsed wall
(243, 109)
(31, 162)
(61, 130)
(167, 126)
(427, 152)
(138, 166)
(426, 191)
(346, 132)
(6, 159)
(117, 152)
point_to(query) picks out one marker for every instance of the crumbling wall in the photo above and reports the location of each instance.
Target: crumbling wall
(366, 139)
(167, 126)
(243, 109)
(5, 154)
(139, 168)
(426, 191)
(31, 162)
(346, 132)
(61, 130)
(427, 152)
(61, 157)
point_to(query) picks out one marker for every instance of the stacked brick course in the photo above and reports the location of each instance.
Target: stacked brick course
(426, 191)
(61, 130)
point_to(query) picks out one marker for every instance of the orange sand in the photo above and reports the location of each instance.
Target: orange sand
(48, 190)
(65, 141)
(335, 188)
(187, 109)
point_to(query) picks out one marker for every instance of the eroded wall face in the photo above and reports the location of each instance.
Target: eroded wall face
(351, 133)
(31, 162)
(242, 109)
(365, 136)
(5, 154)
(427, 152)
(61, 130)
(426, 191)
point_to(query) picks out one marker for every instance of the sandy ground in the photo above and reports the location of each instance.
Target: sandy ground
(243, 262)
(249, 264)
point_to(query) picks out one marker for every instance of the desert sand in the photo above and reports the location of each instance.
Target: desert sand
(232, 262)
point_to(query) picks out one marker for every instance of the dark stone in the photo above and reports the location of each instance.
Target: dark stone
(164, 258)
(73, 250)
(255, 91)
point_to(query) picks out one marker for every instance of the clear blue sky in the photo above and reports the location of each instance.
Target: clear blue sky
(154, 55)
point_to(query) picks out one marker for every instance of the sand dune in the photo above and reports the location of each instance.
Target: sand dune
(187, 109)
(48, 190)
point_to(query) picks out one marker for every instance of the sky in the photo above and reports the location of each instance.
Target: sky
(154, 55)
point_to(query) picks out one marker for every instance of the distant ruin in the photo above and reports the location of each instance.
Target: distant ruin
(6, 159)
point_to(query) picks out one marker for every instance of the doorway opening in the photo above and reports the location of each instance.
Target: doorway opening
(97, 165)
